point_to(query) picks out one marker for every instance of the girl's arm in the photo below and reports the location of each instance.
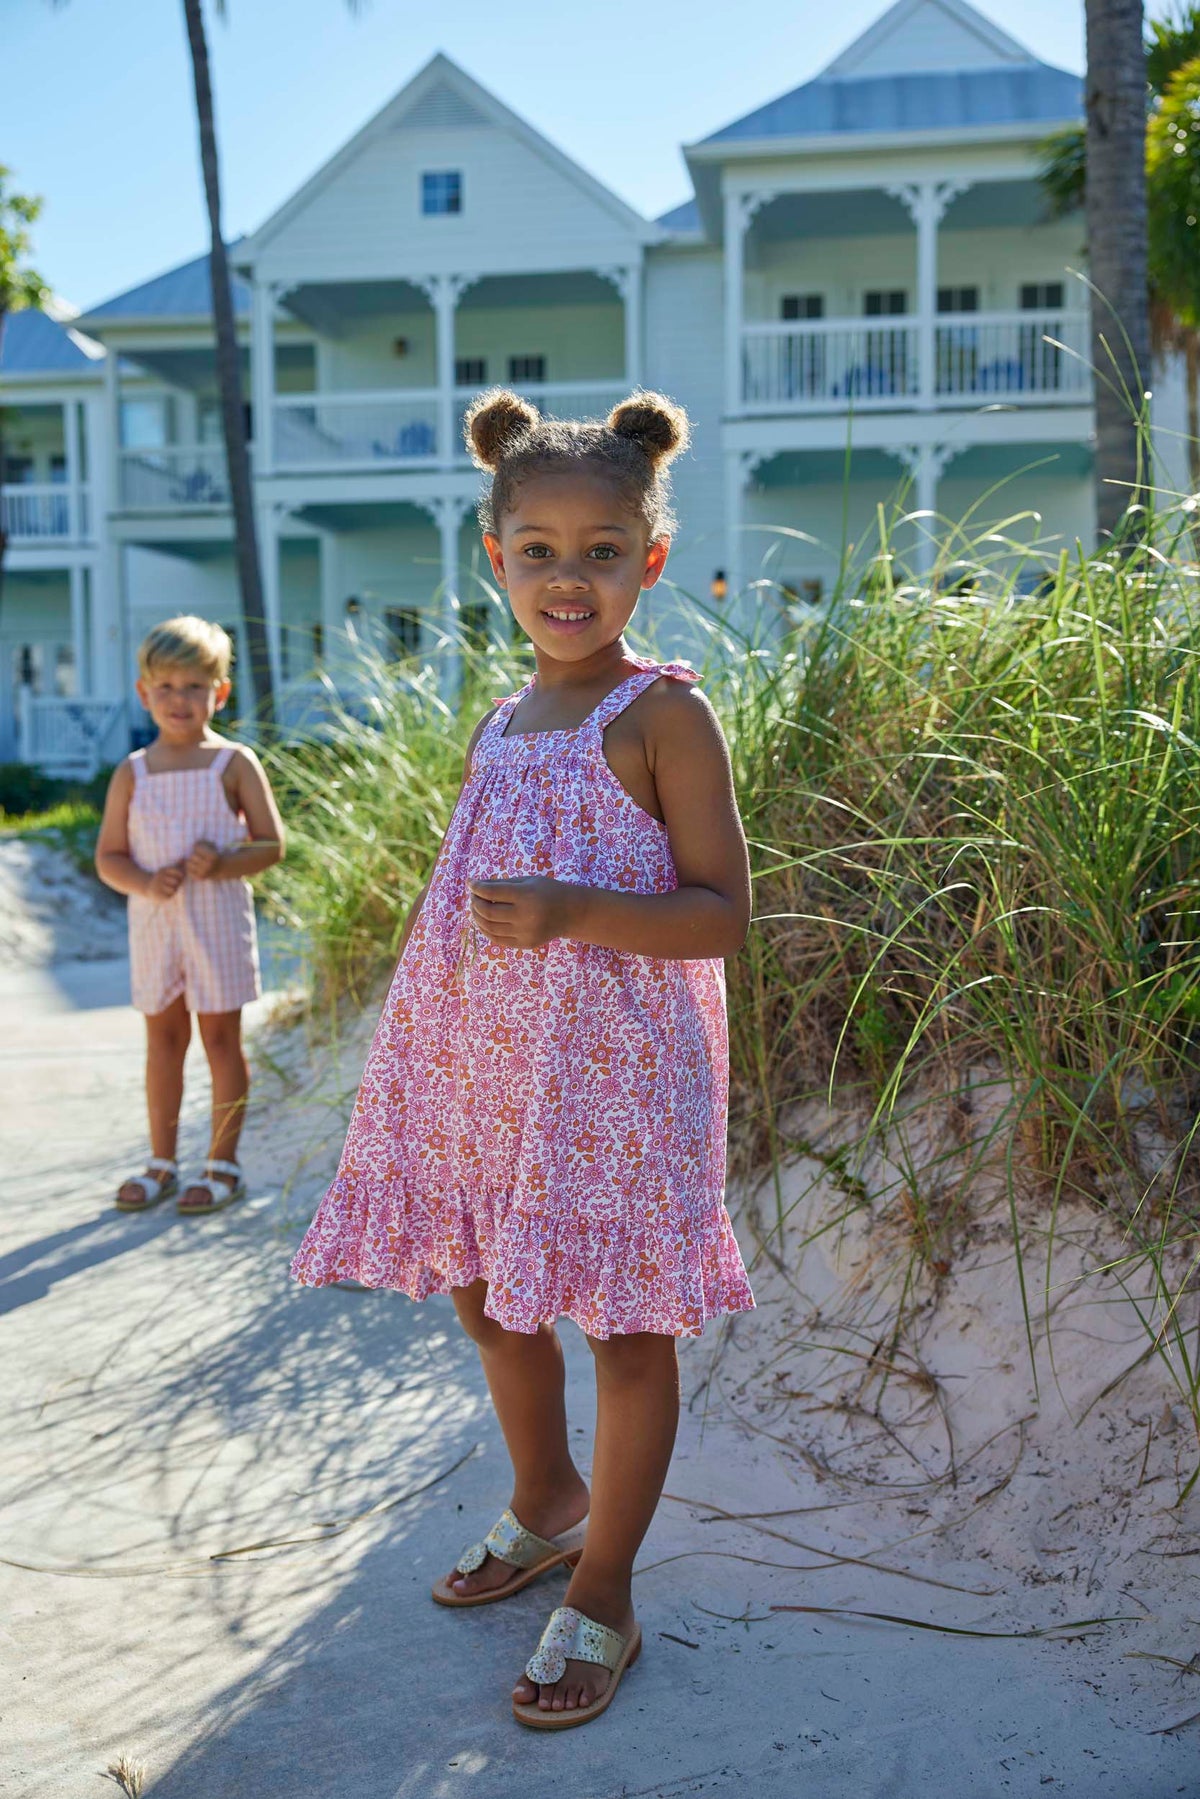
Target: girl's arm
(114, 864)
(265, 844)
(709, 912)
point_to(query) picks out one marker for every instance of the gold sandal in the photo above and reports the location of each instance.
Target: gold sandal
(572, 1637)
(508, 1541)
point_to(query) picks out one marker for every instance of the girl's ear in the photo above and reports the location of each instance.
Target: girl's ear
(224, 689)
(656, 561)
(491, 544)
(141, 688)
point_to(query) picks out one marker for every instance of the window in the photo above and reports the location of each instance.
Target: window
(1041, 296)
(802, 306)
(441, 192)
(958, 299)
(883, 302)
(45, 668)
(470, 371)
(143, 424)
(402, 630)
(527, 368)
(18, 471)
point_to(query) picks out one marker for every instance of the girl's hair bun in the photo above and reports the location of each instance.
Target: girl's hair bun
(495, 423)
(654, 423)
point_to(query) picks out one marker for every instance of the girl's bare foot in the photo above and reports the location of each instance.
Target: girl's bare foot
(548, 1516)
(582, 1682)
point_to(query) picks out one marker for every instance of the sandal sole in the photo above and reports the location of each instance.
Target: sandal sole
(218, 1205)
(535, 1719)
(146, 1205)
(441, 1594)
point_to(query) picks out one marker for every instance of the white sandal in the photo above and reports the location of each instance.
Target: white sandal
(220, 1193)
(572, 1636)
(153, 1191)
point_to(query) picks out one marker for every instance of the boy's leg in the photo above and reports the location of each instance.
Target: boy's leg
(168, 1034)
(637, 1411)
(221, 1035)
(526, 1379)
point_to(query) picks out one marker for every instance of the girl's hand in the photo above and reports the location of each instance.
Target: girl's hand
(524, 914)
(204, 861)
(164, 883)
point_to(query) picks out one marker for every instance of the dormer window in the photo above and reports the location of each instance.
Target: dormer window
(441, 192)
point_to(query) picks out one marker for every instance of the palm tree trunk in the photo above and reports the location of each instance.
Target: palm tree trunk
(1116, 236)
(229, 383)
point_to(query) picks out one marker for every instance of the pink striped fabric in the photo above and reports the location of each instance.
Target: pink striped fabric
(202, 941)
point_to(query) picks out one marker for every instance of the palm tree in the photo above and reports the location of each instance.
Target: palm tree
(229, 378)
(1172, 69)
(20, 286)
(1115, 213)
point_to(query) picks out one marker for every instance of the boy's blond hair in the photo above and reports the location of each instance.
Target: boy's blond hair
(186, 642)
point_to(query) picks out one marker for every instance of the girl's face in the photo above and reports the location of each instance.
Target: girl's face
(181, 701)
(573, 559)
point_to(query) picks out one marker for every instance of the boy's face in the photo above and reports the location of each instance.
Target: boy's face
(181, 700)
(574, 560)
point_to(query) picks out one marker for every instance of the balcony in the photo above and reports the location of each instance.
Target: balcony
(45, 514)
(403, 428)
(174, 478)
(842, 365)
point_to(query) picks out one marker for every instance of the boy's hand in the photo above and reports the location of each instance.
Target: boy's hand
(524, 914)
(204, 861)
(164, 883)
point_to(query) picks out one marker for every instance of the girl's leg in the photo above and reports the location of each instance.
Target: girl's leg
(221, 1035)
(526, 1380)
(168, 1034)
(637, 1411)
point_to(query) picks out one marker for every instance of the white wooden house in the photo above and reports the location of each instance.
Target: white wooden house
(863, 290)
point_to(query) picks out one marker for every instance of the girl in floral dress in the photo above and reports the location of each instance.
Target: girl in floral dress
(540, 1128)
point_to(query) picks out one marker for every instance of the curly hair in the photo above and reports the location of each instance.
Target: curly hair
(509, 438)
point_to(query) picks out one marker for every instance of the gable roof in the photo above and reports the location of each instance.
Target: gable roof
(182, 292)
(925, 65)
(443, 94)
(36, 343)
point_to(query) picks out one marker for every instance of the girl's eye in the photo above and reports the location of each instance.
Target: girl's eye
(604, 552)
(539, 551)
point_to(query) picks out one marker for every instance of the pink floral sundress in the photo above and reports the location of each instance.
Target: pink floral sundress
(549, 1120)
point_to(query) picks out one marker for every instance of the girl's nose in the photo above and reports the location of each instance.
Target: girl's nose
(568, 579)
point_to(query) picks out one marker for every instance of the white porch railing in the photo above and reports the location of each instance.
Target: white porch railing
(553, 399)
(829, 364)
(1026, 356)
(341, 430)
(70, 737)
(45, 513)
(173, 477)
(833, 365)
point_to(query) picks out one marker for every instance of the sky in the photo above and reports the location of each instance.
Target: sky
(96, 106)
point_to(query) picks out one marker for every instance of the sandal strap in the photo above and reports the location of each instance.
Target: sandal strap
(232, 1168)
(572, 1637)
(164, 1163)
(509, 1541)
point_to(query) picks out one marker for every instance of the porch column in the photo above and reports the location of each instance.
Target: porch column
(735, 232)
(926, 202)
(79, 631)
(268, 537)
(333, 617)
(448, 512)
(112, 432)
(71, 458)
(627, 279)
(262, 373)
(444, 293)
(925, 463)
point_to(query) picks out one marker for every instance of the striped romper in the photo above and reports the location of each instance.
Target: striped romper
(202, 941)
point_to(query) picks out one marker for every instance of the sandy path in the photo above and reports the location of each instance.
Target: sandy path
(168, 1396)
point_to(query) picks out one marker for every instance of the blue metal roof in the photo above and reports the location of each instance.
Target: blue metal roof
(681, 218)
(32, 343)
(183, 292)
(1033, 93)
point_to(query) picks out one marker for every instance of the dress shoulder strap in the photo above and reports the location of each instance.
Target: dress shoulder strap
(137, 763)
(628, 690)
(221, 760)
